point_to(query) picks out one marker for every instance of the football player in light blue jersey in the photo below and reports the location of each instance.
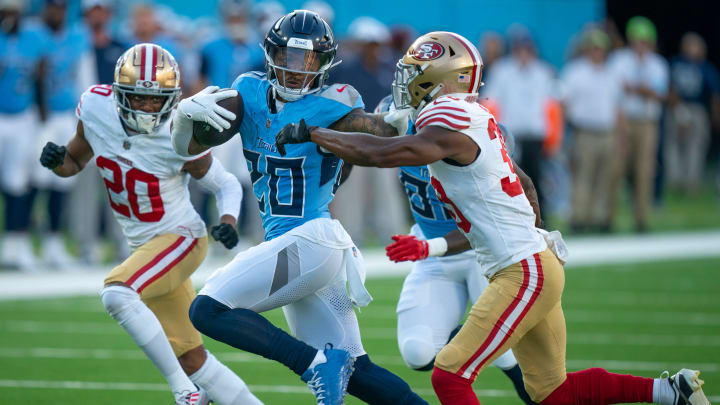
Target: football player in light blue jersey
(308, 258)
(21, 53)
(70, 69)
(436, 293)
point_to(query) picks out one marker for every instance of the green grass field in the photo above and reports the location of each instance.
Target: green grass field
(640, 319)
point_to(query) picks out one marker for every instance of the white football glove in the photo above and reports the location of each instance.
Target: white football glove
(203, 107)
(199, 107)
(398, 119)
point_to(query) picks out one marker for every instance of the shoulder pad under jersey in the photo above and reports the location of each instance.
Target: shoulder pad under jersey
(342, 93)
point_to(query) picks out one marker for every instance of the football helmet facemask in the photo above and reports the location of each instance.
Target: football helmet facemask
(436, 63)
(146, 70)
(299, 51)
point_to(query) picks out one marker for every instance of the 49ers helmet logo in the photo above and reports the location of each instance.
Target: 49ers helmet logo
(428, 51)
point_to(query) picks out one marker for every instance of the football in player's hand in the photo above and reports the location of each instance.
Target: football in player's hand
(206, 135)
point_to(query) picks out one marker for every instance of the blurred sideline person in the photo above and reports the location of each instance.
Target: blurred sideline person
(473, 175)
(222, 59)
(521, 86)
(370, 204)
(645, 83)
(69, 71)
(435, 295)
(265, 13)
(125, 129)
(86, 200)
(694, 96)
(591, 93)
(22, 50)
(308, 264)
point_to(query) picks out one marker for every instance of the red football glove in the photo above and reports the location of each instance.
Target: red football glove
(406, 247)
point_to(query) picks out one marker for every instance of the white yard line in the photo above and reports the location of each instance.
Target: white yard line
(241, 357)
(128, 386)
(584, 251)
(374, 333)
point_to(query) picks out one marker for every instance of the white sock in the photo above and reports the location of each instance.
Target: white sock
(663, 393)
(222, 385)
(319, 359)
(506, 361)
(142, 325)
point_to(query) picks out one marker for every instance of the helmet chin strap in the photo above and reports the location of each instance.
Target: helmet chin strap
(426, 100)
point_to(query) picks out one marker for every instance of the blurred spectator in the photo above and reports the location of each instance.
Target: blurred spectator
(521, 85)
(590, 92)
(324, 10)
(401, 37)
(21, 51)
(222, 60)
(367, 64)
(146, 28)
(370, 203)
(88, 199)
(492, 49)
(232, 53)
(107, 49)
(645, 79)
(265, 14)
(694, 89)
(70, 71)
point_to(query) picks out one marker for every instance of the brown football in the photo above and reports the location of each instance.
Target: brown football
(206, 135)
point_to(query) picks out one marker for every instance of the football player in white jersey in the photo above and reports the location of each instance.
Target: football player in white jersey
(126, 129)
(471, 172)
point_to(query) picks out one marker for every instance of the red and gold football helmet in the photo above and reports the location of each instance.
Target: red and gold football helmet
(436, 63)
(149, 70)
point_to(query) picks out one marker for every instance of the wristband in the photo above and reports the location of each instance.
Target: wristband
(437, 247)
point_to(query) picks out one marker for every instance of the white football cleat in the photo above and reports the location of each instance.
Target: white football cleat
(192, 398)
(687, 387)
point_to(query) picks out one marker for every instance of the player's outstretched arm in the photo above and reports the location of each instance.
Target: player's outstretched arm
(429, 145)
(68, 161)
(530, 193)
(213, 177)
(386, 124)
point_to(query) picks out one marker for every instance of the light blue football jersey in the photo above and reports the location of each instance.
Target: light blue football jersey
(428, 211)
(19, 56)
(66, 50)
(295, 188)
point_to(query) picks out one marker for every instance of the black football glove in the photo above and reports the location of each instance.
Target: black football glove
(225, 234)
(292, 133)
(52, 155)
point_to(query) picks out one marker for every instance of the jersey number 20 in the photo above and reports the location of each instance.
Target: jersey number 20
(132, 177)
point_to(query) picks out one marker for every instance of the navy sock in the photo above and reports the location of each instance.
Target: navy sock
(247, 330)
(430, 365)
(515, 375)
(377, 386)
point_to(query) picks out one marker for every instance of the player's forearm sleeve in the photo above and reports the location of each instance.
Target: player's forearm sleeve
(181, 133)
(226, 188)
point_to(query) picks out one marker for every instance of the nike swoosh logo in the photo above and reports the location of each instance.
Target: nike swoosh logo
(341, 89)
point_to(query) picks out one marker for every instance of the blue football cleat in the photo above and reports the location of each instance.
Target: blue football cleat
(328, 381)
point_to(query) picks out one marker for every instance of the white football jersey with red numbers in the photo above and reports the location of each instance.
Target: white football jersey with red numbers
(143, 174)
(484, 197)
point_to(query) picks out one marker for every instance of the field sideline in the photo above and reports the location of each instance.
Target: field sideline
(639, 318)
